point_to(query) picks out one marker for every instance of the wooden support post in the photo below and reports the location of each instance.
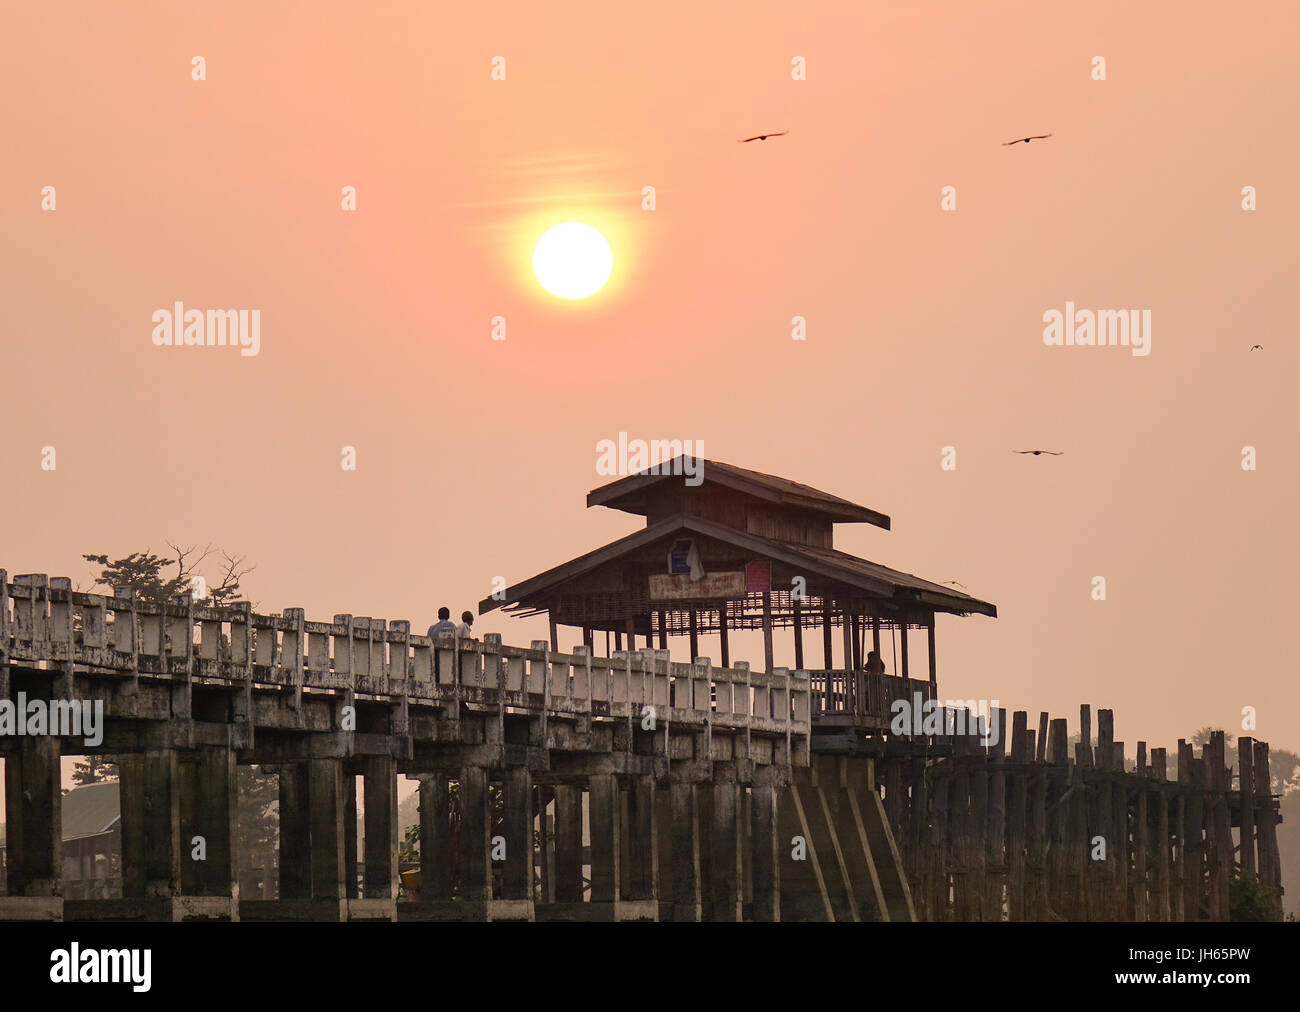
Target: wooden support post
(695, 634)
(640, 844)
(295, 833)
(435, 838)
(1246, 783)
(1270, 868)
(846, 629)
(568, 844)
(604, 825)
(555, 634)
(686, 853)
(722, 634)
(855, 623)
(663, 630)
(210, 809)
(380, 790)
(724, 865)
(325, 795)
(475, 835)
(517, 873)
(902, 644)
(351, 845)
(766, 853)
(34, 822)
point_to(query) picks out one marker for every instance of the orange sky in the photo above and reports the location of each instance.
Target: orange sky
(924, 326)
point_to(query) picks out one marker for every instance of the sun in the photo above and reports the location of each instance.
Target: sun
(572, 260)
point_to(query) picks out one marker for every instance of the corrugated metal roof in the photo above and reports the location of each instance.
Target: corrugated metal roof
(87, 811)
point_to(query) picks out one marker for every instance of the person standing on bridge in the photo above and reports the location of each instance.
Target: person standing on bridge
(444, 626)
(466, 627)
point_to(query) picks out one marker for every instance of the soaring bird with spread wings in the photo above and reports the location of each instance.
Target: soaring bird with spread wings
(1026, 140)
(1054, 453)
(761, 137)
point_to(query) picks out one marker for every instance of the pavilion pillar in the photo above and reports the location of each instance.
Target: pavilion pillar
(857, 643)
(902, 641)
(875, 634)
(722, 634)
(828, 654)
(663, 630)
(568, 844)
(435, 838)
(767, 630)
(846, 621)
(555, 635)
(695, 636)
(798, 635)
(934, 669)
(295, 833)
(33, 814)
(380, 787)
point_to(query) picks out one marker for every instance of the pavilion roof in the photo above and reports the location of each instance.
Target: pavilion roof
(628, 494)
(861, 575)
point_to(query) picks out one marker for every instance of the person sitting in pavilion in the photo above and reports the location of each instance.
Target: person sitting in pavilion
(875, 666)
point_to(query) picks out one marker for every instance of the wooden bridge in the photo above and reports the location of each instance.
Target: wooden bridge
(614, 788)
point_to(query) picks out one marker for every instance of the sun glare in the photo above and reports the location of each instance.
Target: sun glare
(572, 260)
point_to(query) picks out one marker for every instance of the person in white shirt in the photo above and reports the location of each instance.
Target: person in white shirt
(466, 627)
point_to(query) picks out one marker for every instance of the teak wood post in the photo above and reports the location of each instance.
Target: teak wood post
(1246, 765)
(475, 834)
(517, 870)
(722, 634)
(695, 634)
(380, 790)
(604, 825)
(1160, 855)
(329, 879)
(295, 833)
(724, 864)
(435, 838)
(686, 853)
(210, 809)
(351, 848)
(640, 844)
(902, 644)
(766, 849)
(151, 851)
(34, 830)
(568, 843)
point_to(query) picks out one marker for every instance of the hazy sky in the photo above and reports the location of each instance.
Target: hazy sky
(924, 326)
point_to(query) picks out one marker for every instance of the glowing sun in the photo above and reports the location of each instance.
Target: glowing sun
(572, 260)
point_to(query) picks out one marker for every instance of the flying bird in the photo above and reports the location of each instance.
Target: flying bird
(1026, 140)
(762, 137)
(1256, 347)
(1054, 453)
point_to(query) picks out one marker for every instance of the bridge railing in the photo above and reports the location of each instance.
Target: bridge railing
(45, 623)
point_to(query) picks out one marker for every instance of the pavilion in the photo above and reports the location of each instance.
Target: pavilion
(736, 550)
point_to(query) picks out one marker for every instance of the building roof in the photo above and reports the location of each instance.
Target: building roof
(868, 577)
(87, 811)
(628, 494)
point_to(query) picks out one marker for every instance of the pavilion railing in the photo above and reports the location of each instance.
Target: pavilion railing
(860, 694)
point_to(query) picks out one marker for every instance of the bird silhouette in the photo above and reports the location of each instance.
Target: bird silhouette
(761, 137)
(1054, 453)
(1256, 347)
(1026, 140)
